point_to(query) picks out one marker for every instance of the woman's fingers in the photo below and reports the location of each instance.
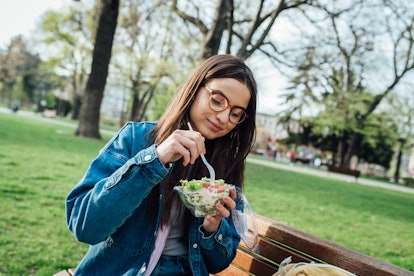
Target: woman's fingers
(211, 223)
(233, 193)
(229, 202)
(196, 141)
(224, 212)
(181, 144)
(225, 207)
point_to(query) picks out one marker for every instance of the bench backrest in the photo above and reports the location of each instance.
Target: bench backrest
(332, 168)
(278, 241)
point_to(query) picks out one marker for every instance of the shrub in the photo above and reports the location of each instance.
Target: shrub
(408, 181)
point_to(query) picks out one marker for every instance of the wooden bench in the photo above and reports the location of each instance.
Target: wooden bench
(49, 113)
(278, 241)
(344, 170)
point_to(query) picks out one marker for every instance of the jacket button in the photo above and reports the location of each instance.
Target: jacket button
(147, 157)
(220, 237)
(195, 245)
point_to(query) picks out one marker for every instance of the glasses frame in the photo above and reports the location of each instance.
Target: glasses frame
(228, 106)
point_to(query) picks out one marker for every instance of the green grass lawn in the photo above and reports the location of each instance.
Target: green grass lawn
(40, 162)
(375, 221)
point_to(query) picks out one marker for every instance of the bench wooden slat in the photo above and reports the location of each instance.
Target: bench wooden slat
(344, 170)
(277, 253)
(69, 272)
(62, 273)
(254, 264)
(233, 270)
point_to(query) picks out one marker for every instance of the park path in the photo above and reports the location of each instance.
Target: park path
(324, 173)
(39, 116)
(269, 163)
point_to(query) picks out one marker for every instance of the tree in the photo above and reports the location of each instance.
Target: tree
(160, 102)
(145, 53)
(336, 70)
(238, 32)
(402, 110)
(11, 63)
(378, 137)
(90, 108)
(143, 90)
(19, 72)
(69, 34)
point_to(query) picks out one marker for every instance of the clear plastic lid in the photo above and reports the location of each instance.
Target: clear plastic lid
(245, 224)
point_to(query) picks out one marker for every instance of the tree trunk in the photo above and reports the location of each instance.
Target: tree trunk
(397, 168)
(135, 105)
(338, 161)
(77, 102)
(91, 103)
(212, 39)
(355, 139)
(399, 156)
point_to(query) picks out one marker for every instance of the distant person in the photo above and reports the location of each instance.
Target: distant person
(275, 149)
(292, 155)
(125, 206)
(15, 108)
(269, 148)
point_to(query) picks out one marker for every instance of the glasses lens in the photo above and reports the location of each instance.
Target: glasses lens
(218, 102)
(237, 115)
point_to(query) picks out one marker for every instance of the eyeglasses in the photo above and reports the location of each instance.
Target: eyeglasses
(218, 102)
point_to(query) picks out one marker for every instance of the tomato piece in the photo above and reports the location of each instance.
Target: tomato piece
(218, 188)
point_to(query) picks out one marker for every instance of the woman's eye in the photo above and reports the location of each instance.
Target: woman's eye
(236, 114)
(215, 101)
(219, 101)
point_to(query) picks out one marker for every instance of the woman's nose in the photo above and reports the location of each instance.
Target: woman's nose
(223, 116)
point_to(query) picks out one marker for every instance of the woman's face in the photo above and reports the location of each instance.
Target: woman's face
(214, 124)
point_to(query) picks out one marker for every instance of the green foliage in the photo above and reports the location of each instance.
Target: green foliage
(408, 181)
(19, 71)
(377, 135)
(32, 76)
(63, 107)
(160, 102)
(50, 101)
(18, 90)
(343, 74)
(66, 38)
(379, 140)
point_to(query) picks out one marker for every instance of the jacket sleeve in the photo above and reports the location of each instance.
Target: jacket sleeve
(219, 249)
(115, 185)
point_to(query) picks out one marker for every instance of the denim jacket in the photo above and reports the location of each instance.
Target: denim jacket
(107, 210)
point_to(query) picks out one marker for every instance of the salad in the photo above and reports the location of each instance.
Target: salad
(201, 196)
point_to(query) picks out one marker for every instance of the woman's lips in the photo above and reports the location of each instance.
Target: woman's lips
(213, 126)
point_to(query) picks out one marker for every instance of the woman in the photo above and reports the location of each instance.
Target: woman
(125, 206)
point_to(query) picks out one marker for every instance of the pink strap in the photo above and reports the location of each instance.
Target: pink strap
(162, 235)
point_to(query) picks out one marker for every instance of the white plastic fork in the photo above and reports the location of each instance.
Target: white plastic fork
(203, 158)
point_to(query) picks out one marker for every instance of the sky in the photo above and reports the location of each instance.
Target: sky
(20, 17)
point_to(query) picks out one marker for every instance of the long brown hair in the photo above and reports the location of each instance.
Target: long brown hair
(227, 154)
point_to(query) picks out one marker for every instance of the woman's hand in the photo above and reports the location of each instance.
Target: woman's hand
(212, 223)
(184, 144)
